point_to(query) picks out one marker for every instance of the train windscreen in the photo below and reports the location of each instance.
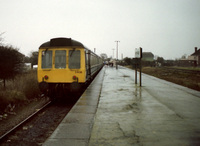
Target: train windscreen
(46, 59)
(74, 59)
(60, 59)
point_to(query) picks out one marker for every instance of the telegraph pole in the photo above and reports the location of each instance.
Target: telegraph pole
(117, 53)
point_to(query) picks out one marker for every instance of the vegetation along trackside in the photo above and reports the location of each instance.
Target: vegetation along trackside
(16, 86)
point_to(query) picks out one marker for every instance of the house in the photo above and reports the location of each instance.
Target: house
(147, 56)
(195, 56)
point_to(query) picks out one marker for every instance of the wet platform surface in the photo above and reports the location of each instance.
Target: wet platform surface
(115, 111)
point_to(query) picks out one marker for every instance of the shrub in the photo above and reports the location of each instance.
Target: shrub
(10, 97)
(23, 87)
(10, 62)
(31, 89)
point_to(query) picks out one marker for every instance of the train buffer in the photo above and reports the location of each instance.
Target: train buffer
(116, 111)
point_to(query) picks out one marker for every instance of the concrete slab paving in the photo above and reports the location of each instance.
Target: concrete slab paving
(114, 111)
(158, 113)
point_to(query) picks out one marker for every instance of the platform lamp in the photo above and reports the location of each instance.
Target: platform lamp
(117, 53)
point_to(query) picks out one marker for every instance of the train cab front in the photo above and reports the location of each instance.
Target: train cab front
(61, 69)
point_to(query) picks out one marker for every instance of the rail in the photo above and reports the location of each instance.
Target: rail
(21, 123)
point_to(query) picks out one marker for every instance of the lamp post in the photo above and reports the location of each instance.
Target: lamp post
(117, 53)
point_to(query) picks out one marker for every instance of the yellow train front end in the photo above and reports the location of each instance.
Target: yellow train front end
(61, 66)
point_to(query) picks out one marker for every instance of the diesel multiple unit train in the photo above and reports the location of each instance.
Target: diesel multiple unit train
(65, 65)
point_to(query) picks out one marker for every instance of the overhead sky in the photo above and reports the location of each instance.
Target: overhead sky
(167, 28)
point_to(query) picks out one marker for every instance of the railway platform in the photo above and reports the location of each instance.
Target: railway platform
(115, 111)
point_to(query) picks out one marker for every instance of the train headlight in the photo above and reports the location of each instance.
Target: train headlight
(74, 77)
(46, 77)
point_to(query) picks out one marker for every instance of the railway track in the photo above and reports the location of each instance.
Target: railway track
(2, 137)
(35, 129)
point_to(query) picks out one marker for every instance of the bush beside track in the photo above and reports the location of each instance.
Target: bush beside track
(18, 91)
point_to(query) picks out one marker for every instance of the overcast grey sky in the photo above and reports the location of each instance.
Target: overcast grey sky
(167, 28)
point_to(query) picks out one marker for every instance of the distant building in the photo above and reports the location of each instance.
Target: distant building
(195, 56)
(147, 56)
(192, 60)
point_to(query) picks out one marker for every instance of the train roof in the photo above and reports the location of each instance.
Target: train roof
(61, 42)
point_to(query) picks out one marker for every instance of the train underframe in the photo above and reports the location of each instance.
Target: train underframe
(59, 90)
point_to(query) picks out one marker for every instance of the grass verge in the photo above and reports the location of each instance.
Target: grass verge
(23, 88)
(179, 77)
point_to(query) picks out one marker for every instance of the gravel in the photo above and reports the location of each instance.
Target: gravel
(40, 127)
(11, 118)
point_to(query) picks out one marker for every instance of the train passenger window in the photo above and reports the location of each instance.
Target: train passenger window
(60, 59)
(46, 59)
(74, 59)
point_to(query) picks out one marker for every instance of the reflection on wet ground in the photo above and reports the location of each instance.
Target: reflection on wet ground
(158, 113)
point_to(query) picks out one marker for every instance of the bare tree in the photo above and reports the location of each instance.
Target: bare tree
(34, 58)
(1, 39)
(104, 56)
